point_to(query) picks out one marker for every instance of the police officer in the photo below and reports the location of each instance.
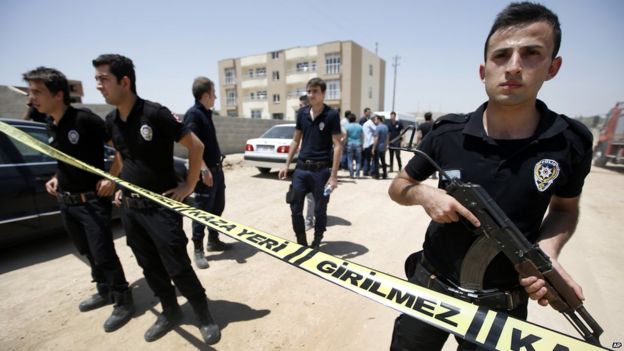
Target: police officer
(143, 133)
(317, 129)
(527, 157)
(210, 190)
(84, 198)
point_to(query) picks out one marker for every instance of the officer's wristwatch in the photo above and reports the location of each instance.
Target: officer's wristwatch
(204, 171)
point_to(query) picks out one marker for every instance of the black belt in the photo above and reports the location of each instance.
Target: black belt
(312, 165)
(133, 200)
(68, 198)
(491, 298)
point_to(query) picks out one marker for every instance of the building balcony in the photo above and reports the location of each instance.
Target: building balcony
(254, 60)
(300, 77)
(299, 53)
(254, 83)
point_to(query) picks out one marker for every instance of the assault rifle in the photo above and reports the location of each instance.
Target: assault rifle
(498, 233)
(528, 260)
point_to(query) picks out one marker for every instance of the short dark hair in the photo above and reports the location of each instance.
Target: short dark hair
(347, 113)
(392, 113)
(380, 118)
(351, 117)
(202, 85)
(303, 98)
(366, 109)
(525, 13)
(317, 82)
(52, 78)
(428, 116)
(120, 66)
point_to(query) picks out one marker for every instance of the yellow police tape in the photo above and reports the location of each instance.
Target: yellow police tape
(493, 330)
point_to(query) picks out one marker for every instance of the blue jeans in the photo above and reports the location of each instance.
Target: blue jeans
(210, 199)
(304, 182)
(354, 152)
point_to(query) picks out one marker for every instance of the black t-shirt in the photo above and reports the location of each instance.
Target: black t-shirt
(394, 131)
(199, 121)
(425, 128)
(145, 141)
(520, 175)
(317, 139)
(81, 134)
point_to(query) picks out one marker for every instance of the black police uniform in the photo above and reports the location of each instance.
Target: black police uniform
(154, 233)
(394, 131)
(520, 175)
(313, 168)
(212, 199)
(82, 134)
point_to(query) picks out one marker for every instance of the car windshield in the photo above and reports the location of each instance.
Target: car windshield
(280, 132)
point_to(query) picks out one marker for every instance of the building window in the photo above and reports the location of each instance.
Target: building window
(262, 95)
(370, 92)
(230, 97)
(232, 113)
(276, 98)
(275, 75)
(332, 63)
(313, 66)
(333, 90)
(251, 73)
(252, 96)
(370, 70)
(256, 113)
(261, 72)
(230, 76)
(278, 116)
(302, 67)
(275, 55)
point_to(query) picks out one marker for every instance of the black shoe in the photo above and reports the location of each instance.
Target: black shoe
(301, 239)
(208, 328)
(95, 301)
(217, 245)
(210, 333)
(200, 259)
(164, 323)
(122, 311)
(316, 243)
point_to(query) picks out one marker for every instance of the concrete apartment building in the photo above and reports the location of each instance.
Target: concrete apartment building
(268, 85)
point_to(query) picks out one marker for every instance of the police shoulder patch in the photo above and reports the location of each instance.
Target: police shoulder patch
(73, 136)
(545, 173)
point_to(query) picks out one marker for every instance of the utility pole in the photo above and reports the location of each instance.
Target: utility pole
(376, 49)
(395, 64)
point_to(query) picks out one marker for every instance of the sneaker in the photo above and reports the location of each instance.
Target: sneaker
(200, 259)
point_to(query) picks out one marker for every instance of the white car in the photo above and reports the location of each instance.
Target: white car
(271, 149)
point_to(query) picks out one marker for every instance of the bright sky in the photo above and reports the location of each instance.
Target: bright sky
(440, 44)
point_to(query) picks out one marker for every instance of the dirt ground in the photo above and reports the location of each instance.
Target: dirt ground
(263, 304)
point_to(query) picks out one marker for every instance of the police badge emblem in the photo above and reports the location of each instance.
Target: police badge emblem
(73, 136)
(321, 125)
(146, 132)
(545, 173)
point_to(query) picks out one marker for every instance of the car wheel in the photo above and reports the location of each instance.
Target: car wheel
(264, 170)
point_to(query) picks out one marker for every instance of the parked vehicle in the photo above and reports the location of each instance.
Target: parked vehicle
(271, 149)
(26, 209)
(610, 147)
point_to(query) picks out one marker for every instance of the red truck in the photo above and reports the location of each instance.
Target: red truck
(610, 147)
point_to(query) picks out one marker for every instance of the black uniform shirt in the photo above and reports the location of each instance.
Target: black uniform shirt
(316, 144)
(520, 175)
(425, 128)
(199, 120)
(394, 130)
(81, 134)
(145, 141)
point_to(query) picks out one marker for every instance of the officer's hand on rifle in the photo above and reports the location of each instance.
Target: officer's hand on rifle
(537, 290)
(443, 208)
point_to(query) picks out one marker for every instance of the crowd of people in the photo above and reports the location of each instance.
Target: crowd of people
(513, 138)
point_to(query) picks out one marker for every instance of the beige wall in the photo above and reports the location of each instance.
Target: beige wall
(354, 79)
